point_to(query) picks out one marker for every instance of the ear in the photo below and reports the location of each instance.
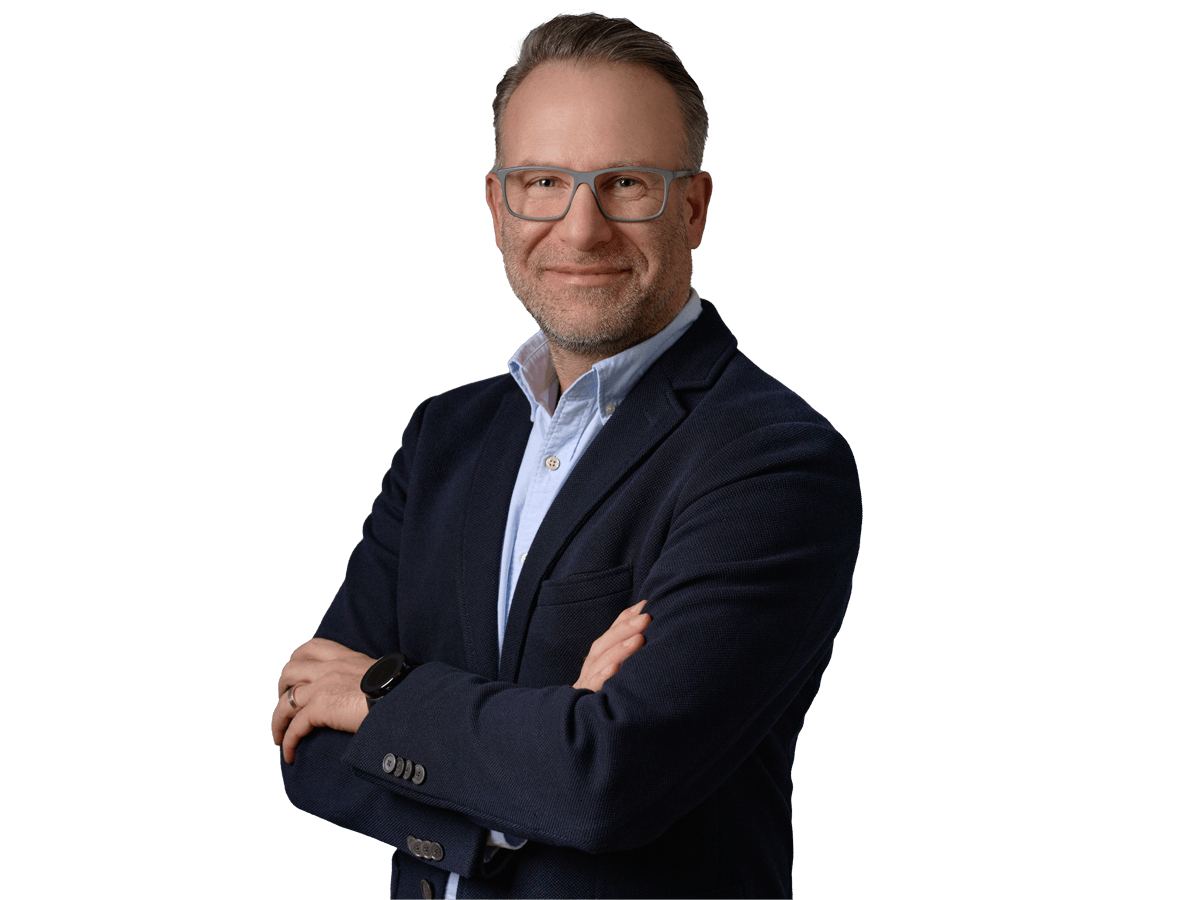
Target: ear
(495, 202)
(695, 198)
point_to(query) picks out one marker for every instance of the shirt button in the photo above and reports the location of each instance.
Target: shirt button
(609, 408)
(552, 463)
(523, 555)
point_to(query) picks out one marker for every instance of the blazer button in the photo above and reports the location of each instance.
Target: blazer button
(389, 763)
(426, 849)
(414, 846)
(418, 774)
(398, 768)
(426, 889)
(436, 852)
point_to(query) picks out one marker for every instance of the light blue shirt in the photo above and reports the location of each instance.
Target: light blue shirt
(560, 435)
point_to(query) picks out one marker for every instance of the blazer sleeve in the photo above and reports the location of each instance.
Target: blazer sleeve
(320, 781)
(746, 594)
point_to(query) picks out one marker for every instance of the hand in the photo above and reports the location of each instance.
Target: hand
(623, 639)
(324, 678)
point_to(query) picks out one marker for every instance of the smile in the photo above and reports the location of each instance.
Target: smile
(586, 275)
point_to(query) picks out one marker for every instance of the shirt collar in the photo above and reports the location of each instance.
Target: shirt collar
(609, 381)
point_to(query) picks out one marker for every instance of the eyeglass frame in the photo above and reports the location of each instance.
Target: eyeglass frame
(589, 178)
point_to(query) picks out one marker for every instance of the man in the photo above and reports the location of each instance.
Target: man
(620, 566)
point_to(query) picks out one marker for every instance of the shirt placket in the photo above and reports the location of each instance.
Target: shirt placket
(556, 458)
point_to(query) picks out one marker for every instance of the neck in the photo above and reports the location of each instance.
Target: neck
(571, 366)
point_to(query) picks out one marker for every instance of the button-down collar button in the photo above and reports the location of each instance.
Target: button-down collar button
(418, 774)
(406, 773)
(552, 463)
(610, 408)
(389, 763)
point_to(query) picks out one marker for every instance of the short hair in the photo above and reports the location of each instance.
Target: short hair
(593, 38)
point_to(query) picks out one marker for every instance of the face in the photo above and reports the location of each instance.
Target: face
(597, 287)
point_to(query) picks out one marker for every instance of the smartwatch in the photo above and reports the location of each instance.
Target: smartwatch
(387, 672)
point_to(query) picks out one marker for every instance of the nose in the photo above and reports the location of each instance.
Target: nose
(584, 226)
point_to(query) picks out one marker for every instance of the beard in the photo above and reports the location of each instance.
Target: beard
(601, 320)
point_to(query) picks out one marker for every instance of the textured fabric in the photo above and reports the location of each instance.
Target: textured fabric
(562, 430)
(714, 493)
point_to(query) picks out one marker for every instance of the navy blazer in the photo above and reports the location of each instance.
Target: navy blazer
(713, 492)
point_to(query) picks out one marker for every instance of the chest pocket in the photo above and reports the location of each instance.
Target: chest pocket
(570, 614)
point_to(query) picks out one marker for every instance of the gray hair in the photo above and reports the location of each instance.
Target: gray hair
(593, 38)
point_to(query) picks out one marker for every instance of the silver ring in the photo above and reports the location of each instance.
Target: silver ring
(292, 696)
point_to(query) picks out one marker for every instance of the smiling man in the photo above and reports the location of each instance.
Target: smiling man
(596, 595)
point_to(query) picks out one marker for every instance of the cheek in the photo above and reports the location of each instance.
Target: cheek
(519, 242)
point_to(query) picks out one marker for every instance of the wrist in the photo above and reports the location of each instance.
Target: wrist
(387, 672)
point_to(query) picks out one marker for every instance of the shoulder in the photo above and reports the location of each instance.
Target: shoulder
(465, 406)
(717, 381)
(743, 400)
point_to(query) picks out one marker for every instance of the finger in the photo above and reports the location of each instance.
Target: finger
(620, 630)
(597, 671)
(282, 715)
(610, 647)
(300, 725)
(617, 654)
(310, 714)
(313, 713)
(304, 670)
(630, 611)
(635, 625)
(623, 628)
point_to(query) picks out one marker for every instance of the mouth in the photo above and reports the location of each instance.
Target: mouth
(586, 275)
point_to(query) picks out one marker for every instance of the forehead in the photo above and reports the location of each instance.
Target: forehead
(593, 116)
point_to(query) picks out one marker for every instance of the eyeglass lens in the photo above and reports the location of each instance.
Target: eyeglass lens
(624, 194)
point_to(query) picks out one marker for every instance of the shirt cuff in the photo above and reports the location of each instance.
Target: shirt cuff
(499, 839)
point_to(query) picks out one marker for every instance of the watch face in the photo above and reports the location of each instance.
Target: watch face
(380, 676)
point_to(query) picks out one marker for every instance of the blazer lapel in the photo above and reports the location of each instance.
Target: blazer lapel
(644, 419)
(483, 527)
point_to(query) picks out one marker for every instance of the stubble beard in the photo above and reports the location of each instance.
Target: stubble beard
(622, 314)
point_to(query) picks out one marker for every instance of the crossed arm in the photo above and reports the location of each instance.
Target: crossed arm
(319, 686)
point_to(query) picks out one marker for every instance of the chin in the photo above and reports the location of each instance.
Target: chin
(598, 321)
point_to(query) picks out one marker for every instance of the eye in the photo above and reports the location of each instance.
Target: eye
(542, 181)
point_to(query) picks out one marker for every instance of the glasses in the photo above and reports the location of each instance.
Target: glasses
(544, 193)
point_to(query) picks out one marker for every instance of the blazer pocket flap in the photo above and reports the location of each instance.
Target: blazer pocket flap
(586, 586)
